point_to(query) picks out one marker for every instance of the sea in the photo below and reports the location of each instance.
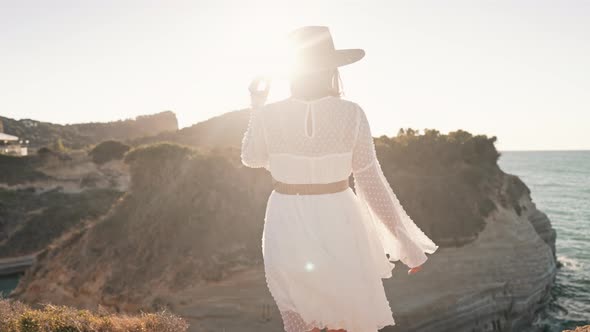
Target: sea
(8, 283)
(560, 187)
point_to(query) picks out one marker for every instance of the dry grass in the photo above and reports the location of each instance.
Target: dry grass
(18, 317)
(580, 329)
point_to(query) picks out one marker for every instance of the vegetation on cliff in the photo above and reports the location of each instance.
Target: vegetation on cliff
(448, 183)
(18, 317)
(77, 136)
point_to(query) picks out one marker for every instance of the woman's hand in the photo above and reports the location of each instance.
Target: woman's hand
(259, 88)
(415, 269)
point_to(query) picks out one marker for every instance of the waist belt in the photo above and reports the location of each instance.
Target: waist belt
(310, 188)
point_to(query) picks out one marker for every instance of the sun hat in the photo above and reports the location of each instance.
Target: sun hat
(314, 50)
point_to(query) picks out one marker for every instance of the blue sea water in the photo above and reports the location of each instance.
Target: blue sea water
(560, 187)
(8, 283)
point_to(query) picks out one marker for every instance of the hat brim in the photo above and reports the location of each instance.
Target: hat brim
(337, 58)
(347, 56)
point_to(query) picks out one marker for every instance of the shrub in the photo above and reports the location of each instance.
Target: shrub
(107, 151)
(58, 145)
(156, 153)
(45, 151)
(153, 166)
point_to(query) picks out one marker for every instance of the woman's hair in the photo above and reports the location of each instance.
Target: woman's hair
(317, 84)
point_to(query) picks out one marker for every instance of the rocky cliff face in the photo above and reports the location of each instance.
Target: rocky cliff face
(495, 283)
(42, 198)
(187, 236)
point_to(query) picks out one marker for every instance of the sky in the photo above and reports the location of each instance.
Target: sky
(517, 70)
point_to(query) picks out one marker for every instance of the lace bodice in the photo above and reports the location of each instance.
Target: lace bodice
(325, 140)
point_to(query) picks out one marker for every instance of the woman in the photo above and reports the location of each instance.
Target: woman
(324, 246)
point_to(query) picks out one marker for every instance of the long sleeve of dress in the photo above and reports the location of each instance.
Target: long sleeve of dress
(400, 236)
(254, 147)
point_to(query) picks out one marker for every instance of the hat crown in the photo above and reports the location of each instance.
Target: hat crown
(313, 50)
(312, 39)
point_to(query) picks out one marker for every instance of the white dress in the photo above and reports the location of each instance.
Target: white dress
(325, 255)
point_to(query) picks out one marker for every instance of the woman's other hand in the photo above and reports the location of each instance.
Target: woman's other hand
(259, 88)
(415, 269)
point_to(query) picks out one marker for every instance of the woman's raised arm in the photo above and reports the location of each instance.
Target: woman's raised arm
(254, 151)
(254, 147)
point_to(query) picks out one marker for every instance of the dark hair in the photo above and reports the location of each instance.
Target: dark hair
(317, 84)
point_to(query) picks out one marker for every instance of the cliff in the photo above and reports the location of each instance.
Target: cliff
(186, 236)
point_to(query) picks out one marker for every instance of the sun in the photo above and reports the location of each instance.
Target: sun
(266, 53)
(274, 59)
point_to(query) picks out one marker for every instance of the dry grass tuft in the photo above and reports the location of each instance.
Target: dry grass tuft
(18, 317)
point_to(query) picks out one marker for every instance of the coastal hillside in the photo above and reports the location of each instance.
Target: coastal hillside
(45, 195)
(71, 180)
(186, 234)
(77, 136)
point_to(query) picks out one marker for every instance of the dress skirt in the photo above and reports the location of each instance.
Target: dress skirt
(324, 263)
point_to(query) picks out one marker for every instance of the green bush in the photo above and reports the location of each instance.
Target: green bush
(107, 151)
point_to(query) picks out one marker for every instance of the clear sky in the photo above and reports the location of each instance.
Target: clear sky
(519, 70)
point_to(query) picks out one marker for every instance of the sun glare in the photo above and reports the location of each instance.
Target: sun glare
(270, 56)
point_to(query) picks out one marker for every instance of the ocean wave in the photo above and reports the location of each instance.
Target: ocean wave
(570, 263)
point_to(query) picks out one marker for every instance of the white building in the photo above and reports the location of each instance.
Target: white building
(11, 145)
